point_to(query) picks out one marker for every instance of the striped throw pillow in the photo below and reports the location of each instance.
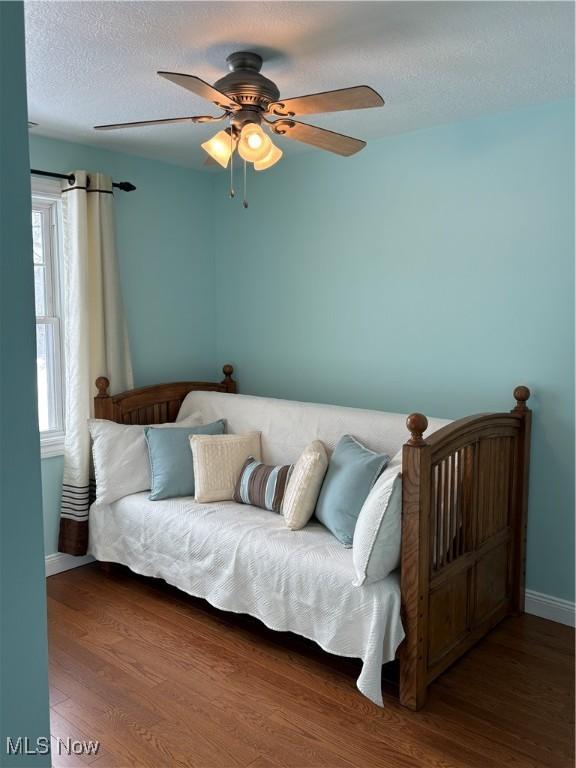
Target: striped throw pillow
(262, 485)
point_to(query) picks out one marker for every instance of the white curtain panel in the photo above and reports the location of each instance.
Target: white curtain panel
(95, 337)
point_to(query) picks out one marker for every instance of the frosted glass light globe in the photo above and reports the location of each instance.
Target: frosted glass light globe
(254, 145)
(270, 159)
(220, 147)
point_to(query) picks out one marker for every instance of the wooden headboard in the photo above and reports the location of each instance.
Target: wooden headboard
(152, 405)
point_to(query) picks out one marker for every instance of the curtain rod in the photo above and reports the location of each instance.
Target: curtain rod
(125, 186)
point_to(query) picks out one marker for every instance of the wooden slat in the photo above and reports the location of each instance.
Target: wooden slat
(173, 408)
(485, 474)
(462, 501)
(471, 491)
(500, 490)
(483, 480)
(451, 506)
(454, 511)
(445, 509)
(451, 526)
(437, 515)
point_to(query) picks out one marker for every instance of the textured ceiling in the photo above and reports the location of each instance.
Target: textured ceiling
(433, 62)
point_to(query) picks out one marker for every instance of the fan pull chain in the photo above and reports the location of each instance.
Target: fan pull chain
(245, 201)
(231, 165)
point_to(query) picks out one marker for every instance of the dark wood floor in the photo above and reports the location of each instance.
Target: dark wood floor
(161, 679)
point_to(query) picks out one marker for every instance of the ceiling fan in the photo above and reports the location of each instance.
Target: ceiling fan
(249, 100)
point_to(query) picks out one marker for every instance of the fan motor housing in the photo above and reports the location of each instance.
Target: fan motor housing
(245, 83)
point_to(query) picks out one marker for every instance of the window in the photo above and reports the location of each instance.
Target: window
(46, 234)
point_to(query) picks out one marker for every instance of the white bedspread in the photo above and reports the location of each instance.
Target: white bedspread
(244, 559)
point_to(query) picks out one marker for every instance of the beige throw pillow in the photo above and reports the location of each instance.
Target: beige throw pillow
(218, 461)
(304, 485)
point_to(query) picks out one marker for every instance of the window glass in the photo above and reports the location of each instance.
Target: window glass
(46, 221)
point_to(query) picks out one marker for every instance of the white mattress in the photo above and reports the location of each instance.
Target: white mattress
(244, 559)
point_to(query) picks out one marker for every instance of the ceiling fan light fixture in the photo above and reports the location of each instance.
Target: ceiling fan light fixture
(271, 158)
(253, 145)
(249, 101)
(220, 147)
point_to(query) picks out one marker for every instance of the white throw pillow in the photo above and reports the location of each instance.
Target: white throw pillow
(120, 455)
(377, 536)
(218, 461)
(304, 485)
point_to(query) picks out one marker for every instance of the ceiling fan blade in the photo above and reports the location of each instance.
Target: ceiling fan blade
(163, 121)
(317, 137)
(358, 97)
(200, 88)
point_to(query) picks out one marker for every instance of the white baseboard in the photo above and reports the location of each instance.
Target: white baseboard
(548, 607)
(60, 562)
(538, 604)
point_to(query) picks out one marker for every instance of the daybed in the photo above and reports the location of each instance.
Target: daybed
(464, 493)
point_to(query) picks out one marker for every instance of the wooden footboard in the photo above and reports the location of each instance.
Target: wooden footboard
(152, 405)
(465, 491)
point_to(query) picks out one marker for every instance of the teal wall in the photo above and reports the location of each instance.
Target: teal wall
(52, 469)
(23, 649)
(166, 268)
(432, 272)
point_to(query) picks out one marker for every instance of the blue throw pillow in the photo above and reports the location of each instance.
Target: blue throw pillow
(352, 471)
(171, 458)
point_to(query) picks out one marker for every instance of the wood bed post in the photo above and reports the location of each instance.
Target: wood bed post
(103, 406)
(520, 509)
(228, 381)
(414, 569)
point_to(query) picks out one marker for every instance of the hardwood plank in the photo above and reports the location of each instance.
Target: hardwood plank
(471, 719)
(392, 737)
(121, 734)
(61, 730)
(56, 695)
(528, 698)
(103, 656)
(262, 762)
(211, 700)
(218, 728)
(537, 635)
(276, 739)
(217, 630)
(191, 745)
(162, 680)
(78, 623)
(94, 683)
(108, 761)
